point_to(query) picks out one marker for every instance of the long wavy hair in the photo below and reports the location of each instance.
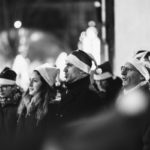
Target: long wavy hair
(38, 103)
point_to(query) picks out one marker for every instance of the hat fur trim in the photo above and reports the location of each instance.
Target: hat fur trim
(140, 67)
(102, 76)
(78, 63)
(6, 81)
(49, 73)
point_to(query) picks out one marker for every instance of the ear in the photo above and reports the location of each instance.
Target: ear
(142, 78)
(83, 74)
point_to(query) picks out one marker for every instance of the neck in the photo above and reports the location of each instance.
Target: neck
(128, 90)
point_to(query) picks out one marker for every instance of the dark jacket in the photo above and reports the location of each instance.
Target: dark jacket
(146, 121)
(143, 119)
(115, 129)
(112, 91)
(8, 115)
(78, 101)
(31, 133)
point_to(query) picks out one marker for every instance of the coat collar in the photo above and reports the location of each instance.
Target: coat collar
(84, 82)
(13, 99)
(144, 83)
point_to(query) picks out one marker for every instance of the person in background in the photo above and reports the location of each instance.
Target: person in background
(125, 126)
(35, 111)
(106, 84)
(135, 72)
(135, 76)
(10, 96)
(78, 100)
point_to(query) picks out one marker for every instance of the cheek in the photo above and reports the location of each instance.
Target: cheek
(134, 78)
(70, 73)
(37, 87)
(8, 91)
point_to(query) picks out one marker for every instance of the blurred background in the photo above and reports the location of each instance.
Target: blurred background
(38, 31)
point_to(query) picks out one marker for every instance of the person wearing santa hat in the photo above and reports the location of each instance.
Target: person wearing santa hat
(135, 73)
(106, 84)
(135, 77)
(35, 111)
(10, 97)
(78, 101)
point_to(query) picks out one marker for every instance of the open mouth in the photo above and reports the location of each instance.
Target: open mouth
(124, 78)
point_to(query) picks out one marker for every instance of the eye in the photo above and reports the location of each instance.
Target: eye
(124, 68)
(35, 80)
(68, 65)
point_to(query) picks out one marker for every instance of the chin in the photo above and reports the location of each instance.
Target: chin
(31, 93)
(124, 84)
(67, 80)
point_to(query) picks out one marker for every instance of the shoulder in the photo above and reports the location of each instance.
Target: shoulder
(91, 92)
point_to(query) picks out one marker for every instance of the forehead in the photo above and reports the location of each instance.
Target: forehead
(70, 64)
(35, 75)
(72, 67)
(130, 66)
(127, 64)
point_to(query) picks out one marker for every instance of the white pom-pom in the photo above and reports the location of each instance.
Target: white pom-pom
(99, 71)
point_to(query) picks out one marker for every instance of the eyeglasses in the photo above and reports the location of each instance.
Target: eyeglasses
(124, 68)
(4, 87)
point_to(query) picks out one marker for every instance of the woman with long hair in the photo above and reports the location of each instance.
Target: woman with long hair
(35, 110)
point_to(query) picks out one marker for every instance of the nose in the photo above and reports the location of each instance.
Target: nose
(65, 69)
(31, 83)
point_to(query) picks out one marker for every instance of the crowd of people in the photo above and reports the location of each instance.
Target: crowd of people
(92, 105)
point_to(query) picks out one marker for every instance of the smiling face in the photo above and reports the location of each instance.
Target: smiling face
(130, 76)
(35, 83)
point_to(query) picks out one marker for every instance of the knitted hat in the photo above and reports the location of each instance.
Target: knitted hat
(7, 76)
(50, 74)
(103, 72)
(81, 60)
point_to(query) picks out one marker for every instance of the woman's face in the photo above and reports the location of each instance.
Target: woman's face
(35, 83)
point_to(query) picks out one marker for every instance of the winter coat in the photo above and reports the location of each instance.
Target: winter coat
(8, 115)
(109, 96)
(32, 133)
(146, 123)
(78, 102)
(143, 120)
(115, 129)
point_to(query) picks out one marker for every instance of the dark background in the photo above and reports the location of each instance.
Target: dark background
(64, 18)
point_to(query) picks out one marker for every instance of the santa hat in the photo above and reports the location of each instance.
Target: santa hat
(144, 56)
(50, 74)
(81, 60)
(141, 61)
(103, 72)
(7, 76)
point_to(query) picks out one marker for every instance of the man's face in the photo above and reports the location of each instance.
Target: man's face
(130, 76)
(72, 73)
(5, 90)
